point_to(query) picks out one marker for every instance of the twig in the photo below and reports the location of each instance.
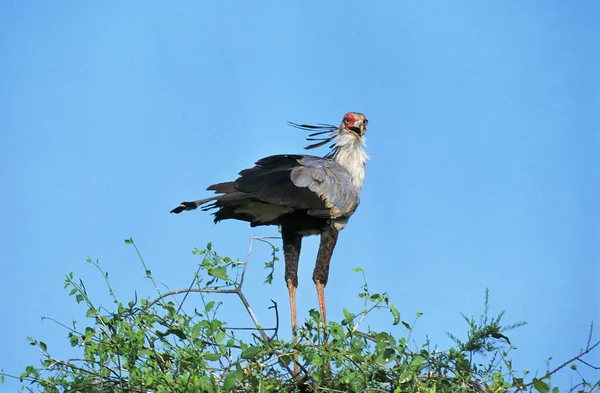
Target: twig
(246, 262)
(573, 359)
(251, 313)
(190, 287)
(590, 335)
(248, 328)
(180, 291)
(589, 365)
(276, 319)
(148, 275)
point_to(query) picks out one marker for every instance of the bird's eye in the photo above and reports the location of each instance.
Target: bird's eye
(346, 120)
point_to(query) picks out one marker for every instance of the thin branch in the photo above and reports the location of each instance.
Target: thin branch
(246, 262)
(590, 335)
(190, 287)
(248, 328)
(180, 291)
(276, 319)
(252, 316)
(573, 359)
(147, 271)
(72, 330)
(589, 364)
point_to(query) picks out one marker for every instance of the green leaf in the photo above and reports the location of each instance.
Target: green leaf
(384, 356)
(317, 361)
(417, 362)
(232, 379)
(357, 270)
(43, 346)
(405, 376)
(251, 352)
(219, 272)
(196, 330)
(383, 338)
(209, 306)
(314, 314)
(177, 332)
(389, 355)
(129, 241)
(219, 336)
(91, 312)
(541, 386)
(406, 325)
(396, 314)
(212, 356)
(348, 316)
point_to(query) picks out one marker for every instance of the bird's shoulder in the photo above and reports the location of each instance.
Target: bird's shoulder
(289, 161)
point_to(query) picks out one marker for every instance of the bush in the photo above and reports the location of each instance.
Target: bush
(151, 345)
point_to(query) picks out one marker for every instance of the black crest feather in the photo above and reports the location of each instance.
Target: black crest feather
(325, 133)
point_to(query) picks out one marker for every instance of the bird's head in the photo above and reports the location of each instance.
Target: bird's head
(354, 125)
(354, 122)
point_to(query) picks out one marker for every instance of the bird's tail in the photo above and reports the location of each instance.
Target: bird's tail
(227, 188)
(193, 205)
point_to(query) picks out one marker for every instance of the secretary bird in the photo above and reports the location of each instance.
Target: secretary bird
(303, 194)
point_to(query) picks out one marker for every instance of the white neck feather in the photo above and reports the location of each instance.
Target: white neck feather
(350, 154)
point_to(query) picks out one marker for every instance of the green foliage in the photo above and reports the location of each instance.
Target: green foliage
(153, 345)
(483, 336)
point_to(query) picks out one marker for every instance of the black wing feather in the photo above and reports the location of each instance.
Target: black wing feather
(270, 181)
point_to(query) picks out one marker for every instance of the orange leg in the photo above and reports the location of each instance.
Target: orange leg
(321, 295)
(321, 274)
(292, 242)
(292, 291)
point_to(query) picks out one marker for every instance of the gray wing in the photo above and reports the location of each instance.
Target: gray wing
(319, 185)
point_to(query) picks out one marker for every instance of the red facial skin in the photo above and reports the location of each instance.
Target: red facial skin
(350, 119)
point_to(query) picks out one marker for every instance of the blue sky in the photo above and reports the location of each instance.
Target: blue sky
(483, 136)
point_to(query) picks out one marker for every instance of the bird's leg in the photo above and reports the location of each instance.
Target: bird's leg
(292, 242)
(321, 274)
(328, 240)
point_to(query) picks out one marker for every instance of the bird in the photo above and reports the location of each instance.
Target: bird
(302, 194)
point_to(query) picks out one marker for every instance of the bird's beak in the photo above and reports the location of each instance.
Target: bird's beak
(359, 128)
